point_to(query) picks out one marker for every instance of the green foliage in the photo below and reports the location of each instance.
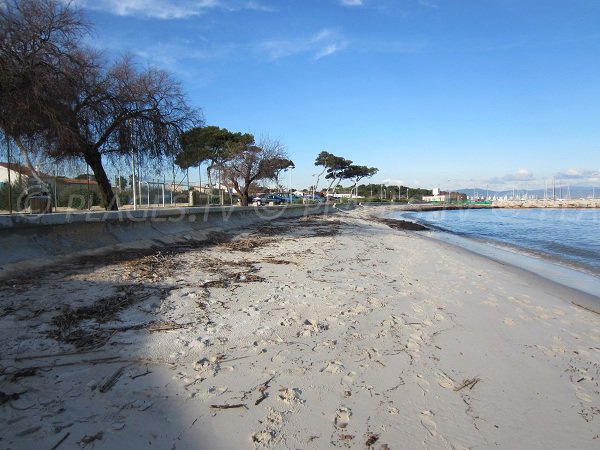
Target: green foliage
(240, 161)
(210, 144)
(339, 168)
(15, 193)
(125, 197)
(374, 192)
(120, 182)
(77, 197)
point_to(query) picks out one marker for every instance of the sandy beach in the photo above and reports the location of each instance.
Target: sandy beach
(323, 332)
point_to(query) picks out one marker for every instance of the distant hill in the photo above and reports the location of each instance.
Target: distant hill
(563, 191)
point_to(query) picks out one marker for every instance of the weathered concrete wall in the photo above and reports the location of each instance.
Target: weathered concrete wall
(35, 241)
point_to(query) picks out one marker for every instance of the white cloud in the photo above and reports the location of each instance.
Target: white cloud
(579, 174)
(326, 51)
(392, 182)
(523, 174)
(169, 9)
(428, 4)
(520, 175)
(351, 2)
(325, 43)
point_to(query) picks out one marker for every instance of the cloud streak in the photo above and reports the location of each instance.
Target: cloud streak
(520, 176)
(351, 2)
(169, 9)
(428, 4)
(322, 44)
(578, 174)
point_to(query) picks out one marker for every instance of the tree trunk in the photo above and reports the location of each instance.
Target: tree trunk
(94, 160)
(244, 194)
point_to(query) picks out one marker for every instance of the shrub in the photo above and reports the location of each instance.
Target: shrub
(17, 190)
(77, 197)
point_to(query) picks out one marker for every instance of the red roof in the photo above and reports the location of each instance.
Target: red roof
(74, 181)
(23, 169)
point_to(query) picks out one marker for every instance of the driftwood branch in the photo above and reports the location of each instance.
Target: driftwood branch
(238, 405)
(470, 383)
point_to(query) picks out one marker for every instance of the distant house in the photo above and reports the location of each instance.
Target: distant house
(437, 196)
(18, 173)
(441, 196)
(23, 174)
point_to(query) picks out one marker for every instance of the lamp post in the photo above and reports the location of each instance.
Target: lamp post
(292, 167)
(10, 208)
(133, 185)
(148, 187)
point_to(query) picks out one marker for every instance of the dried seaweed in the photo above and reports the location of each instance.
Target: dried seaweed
(277, 261)
(272, 230)
(67, 324)
(22, 373)
(325, 232)
(248, 244)
(4, 397)
(218, 265)
(151, 268)
(400, 224)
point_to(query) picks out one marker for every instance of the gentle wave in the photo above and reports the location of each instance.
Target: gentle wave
(568, 236)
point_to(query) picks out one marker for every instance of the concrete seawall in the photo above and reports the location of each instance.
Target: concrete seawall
(29, 242)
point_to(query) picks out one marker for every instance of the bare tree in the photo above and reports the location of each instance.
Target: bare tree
(236, 156)
(54, 90)
(247, 163)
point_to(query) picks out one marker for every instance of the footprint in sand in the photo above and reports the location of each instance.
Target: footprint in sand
(333, 367)
(423, 384)
(288, 322)
(416, 308)
(428, 422)
(208, 366)
(312, 327)
(445, 381)
(263, 437)
(581, 395)
(376, 303)
(291, 396)
(342, 417)
(349, 379)
(490, 303)
(358, 309)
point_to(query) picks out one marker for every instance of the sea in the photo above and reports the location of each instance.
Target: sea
(568, 239)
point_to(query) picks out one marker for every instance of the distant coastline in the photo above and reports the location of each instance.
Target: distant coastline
(579, 203)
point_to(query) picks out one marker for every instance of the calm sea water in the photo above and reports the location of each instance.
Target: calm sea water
(569, 236)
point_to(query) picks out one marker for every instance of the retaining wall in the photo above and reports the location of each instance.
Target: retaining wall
(34, 241)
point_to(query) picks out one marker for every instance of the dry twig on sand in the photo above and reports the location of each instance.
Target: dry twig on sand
(112, 380)
(470, 383)
(238, 405)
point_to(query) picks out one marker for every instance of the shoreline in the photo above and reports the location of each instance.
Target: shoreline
(551, 266)
(563, 274)
(330, 331)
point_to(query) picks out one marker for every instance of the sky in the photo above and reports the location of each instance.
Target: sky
(434, 93)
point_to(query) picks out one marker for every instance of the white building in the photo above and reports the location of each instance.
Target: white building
(437, 196)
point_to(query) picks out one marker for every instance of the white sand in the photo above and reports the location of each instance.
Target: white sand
(362, 339)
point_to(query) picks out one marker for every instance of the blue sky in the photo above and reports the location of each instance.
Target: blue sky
(445, 93)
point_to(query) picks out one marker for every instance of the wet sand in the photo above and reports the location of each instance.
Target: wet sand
(326, 332)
